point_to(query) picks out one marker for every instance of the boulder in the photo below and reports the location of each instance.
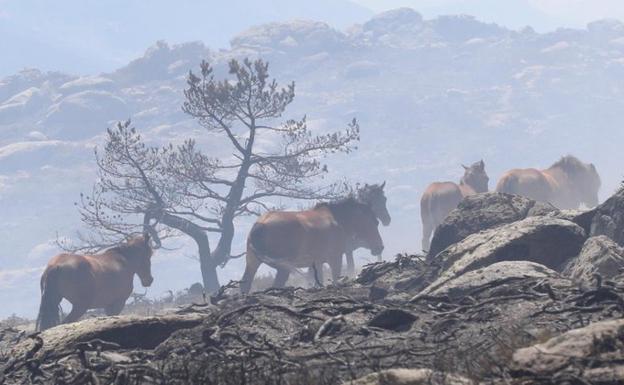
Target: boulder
(496, 273)
(298, 36)
(83, 115)
(582, 218)
(125, 332)
(591, 354)
(545, 240)
(608, 218)
(481, 212)
(599, 255)
(410, 377)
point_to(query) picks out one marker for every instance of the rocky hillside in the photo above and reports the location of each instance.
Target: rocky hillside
(531, 298)
(429, 94)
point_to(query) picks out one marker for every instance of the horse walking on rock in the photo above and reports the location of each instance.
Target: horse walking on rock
(93, 281)
(440, 198)
(286, 240)
(566, 184)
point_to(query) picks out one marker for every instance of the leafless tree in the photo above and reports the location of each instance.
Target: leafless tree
(180, 188)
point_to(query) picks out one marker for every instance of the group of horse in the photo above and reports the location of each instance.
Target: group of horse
(289, 240)
(566, 184)
(281, 239)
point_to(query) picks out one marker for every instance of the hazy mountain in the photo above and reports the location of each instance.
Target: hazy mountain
(429, 94)
(104, 35)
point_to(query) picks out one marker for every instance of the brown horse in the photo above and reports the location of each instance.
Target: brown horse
(373, 196)
(93, 281)
(286, 240)
(440, 198)
(566, 184)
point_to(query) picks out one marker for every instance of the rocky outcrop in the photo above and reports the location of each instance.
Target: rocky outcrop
(599, 255)
(545, 240)
(492, 275)
(481, 212)
(589, 355)
(302, 37)
(321, 336)
(608, 218)
(410, 377)
(127, 332)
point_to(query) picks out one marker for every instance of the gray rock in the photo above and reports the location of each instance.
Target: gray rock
(127, 331)
(599, 255)
(481, 212)
(498, 272)
(84, 114)
(410, 377)
(609, 218)
(599, 343)
(545, 240)
(582, 218)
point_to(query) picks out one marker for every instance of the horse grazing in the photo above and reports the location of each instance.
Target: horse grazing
(440, 198)
(566, 184)
(373, 196)
(93, 281)
(286, 240)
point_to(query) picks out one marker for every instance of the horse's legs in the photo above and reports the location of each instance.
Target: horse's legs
(78, 309)
(350, 263)
(336, 266)
(281, 277)
(317, 274)
(115, 308)
(251, 268)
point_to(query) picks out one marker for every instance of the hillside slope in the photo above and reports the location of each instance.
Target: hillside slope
(429, 94)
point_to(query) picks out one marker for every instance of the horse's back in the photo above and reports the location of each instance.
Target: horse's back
(530, 183)
(69, 263)
(294, 236)
(438, 200)
(74, 274)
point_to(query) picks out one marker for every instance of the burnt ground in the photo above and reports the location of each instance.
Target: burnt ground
(326, 335)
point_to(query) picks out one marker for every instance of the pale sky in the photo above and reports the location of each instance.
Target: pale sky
(543, 15)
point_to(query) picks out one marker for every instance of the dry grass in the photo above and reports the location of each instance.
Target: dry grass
(14, 321)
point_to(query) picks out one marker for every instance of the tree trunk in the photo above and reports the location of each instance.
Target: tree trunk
(224, 247)
(207, 263)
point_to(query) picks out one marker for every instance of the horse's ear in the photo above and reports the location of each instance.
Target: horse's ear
(465, 167)
(383, 185)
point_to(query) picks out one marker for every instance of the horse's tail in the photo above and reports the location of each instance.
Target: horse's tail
(256, 240)
(49, 312)
(425, 208)
(508, 184)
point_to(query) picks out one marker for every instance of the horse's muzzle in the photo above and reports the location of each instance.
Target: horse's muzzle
(147, 282)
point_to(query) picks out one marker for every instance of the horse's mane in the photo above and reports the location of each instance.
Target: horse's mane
(342, 202)
(128, 249)
(366, 193)
(569, 163)
(340, 207)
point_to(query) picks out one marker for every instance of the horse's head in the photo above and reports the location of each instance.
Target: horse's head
(584, 177)
(373, 195)
(140, 257)
(366, 227)
(476, 177)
